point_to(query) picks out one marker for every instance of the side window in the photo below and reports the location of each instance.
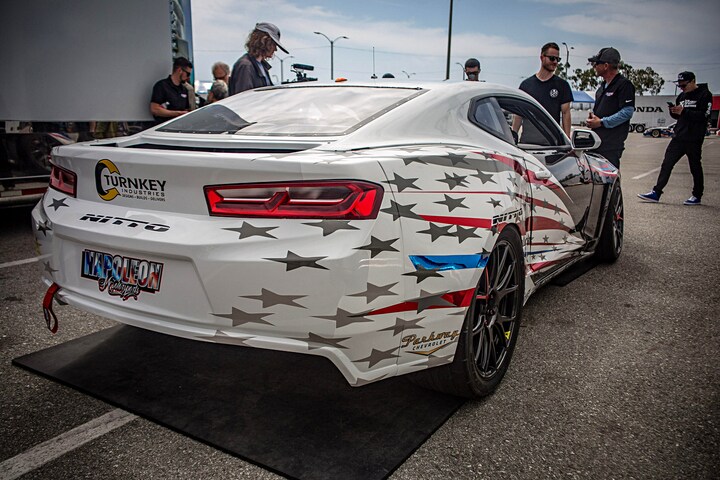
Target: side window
(487, 114)
(534, 127)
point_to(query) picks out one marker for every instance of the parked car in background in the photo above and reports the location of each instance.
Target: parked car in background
(392, 228)
(657, 132)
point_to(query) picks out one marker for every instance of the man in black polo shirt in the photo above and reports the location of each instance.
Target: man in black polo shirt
(551, 91)
(614, 105)
(171, 96)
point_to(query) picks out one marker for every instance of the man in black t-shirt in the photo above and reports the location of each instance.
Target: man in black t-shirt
(614, 105)
(171, 96)
(551, 91)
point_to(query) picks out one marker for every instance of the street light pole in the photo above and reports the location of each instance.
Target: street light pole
(408, 74)
(282, 75)
(567, 58)
(332, 44)
(462, 68)
(447, 67)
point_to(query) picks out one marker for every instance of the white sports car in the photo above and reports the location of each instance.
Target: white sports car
(393, 229)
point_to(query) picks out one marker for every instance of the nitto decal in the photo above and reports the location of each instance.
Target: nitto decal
(428, 345)
(510, 217)
(121, 276)
(127, 222)
(109, 183)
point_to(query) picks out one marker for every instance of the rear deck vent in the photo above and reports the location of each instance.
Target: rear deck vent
(154, 146)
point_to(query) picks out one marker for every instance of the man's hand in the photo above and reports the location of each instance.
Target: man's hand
(677, 109)
(594, 121)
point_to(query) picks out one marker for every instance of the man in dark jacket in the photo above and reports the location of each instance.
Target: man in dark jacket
(614, 105)
(692, 111)
(252, 69)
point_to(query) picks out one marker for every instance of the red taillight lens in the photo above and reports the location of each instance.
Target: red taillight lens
(63, 180)
(338, 199)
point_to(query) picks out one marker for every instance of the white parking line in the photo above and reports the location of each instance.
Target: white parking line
(646, 173)
(19, 262)
(63, 443)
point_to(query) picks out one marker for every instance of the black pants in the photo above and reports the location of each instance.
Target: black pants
(674, 152)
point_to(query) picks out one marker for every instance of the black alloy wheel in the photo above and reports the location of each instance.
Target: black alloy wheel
(612, 236)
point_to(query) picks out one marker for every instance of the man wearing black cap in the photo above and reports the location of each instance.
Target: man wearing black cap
(614, 105)
(472, 69)
(252, 69)
(692, 111)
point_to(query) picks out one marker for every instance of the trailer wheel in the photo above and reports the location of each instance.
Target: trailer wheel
(639, 128)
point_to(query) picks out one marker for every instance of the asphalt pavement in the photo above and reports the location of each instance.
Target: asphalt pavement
(615, 375)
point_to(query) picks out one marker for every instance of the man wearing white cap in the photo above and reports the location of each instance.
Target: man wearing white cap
(252, 69)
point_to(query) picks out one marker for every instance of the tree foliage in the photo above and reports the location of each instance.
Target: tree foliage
(645, 80)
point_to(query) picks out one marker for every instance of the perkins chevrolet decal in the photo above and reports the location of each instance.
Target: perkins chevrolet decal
(126, 222)
(430, 344)
(110, 183)
(121, 276)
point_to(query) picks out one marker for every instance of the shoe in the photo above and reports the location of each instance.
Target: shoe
(651, 196)
(692, 201)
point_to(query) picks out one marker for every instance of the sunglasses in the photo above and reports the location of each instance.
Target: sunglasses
(683, 85)
(552, 58)
(186, 72)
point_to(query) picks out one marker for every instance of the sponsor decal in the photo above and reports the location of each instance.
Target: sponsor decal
(121, 276)
(648, 110)
(509, 217)
(110, 183)
(430, 344)
(127, 222)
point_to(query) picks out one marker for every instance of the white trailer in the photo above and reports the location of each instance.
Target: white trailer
(651, 111)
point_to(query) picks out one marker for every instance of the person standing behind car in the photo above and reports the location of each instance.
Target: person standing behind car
(173, 96)
(614, 105)
(692, 112)
(221, 71)
(551, 91)
(252, 69)
(218, 91)
(472, 70)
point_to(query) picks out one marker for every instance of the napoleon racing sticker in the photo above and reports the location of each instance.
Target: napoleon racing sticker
(110, 183)
(121, 276)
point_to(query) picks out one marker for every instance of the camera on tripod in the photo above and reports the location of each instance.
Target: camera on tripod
(300, 69)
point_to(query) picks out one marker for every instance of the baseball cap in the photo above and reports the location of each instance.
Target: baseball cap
(606, 55)
(273, 31)
(685, 77)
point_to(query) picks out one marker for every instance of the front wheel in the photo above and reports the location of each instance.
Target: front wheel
(655, 133)
(491, 326)
(611, 239)
(639, 128)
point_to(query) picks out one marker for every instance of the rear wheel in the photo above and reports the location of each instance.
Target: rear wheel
(655, 133)
(611, 239)
(639, 128)
(491, 327)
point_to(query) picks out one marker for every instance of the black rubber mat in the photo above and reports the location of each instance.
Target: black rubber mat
(290, 413)
(575, 272)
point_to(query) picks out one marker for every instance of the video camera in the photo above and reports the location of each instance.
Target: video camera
(299, 70)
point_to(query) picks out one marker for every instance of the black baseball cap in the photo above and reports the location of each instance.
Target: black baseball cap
(606, 55)
(685, 77)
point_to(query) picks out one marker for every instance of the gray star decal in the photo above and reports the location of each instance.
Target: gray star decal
(397, 211)
(343, 318)
(512, 194)
(239, 317)
(293, 261)
(464, 233)
(428, 300)
(434, 361)
(542, 256)
(224, 338)
(410, 160)
(270, 299)
(332, 226)
(454, 180)
(456, 159)
(42, 227)
(375, 291)
(437, 231)
(377, 356)
(317, 341)
(546, 239)
(422, 273)
(247, 230)
(452, 203)
(484, 177)
(377, 246)
(402, 325)
(495, 203)
(48, 268)
(403, 183)
(58, 203)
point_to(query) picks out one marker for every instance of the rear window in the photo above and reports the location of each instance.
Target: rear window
(306, 111)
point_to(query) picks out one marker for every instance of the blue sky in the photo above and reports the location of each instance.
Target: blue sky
(505, 35)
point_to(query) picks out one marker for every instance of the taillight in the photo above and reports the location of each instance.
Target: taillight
(63, 180)
(336, 199)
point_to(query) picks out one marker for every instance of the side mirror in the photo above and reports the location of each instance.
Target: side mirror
(584, 139)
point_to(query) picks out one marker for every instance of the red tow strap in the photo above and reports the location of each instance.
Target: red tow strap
(50, 318)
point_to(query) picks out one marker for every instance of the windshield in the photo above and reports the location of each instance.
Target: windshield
(312, 111)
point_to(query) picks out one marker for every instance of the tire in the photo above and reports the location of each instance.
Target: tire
(611, 239)
(490, 330)
(655, 133)
(639, 128)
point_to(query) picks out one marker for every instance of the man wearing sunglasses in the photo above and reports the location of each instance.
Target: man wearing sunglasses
(472, 69)
(173, 96)
(614, 105)
(692, 111)
(551, 91)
